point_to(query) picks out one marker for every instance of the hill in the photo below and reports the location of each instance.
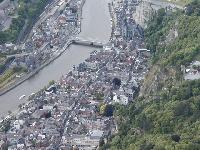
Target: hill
(166, 115)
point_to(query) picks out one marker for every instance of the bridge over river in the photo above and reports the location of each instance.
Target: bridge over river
(85, 42)
(95, 25)
(76, 41)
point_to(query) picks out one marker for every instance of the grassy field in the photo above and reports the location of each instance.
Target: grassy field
(9, 76)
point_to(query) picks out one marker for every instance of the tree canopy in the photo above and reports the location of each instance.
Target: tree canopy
(170, 119)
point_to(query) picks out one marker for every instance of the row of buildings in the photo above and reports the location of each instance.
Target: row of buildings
(68, 114)
(124, 26)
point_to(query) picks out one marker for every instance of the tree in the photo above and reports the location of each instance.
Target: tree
(101, 142)
(17, 69)
(195, 91)
(102, 108)
(183, 109)
(147, 146)
(106, 110)
(20, 106)
(116, 83)
(99, 96)
(175, 138)
(9, 112)
(5, 126)
(52, 82)
(143, 122)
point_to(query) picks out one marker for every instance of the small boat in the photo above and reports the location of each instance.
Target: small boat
(21, 97)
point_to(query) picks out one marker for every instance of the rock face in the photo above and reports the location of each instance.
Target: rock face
(172, 35)
(143, 13)
(158, 79)
(146, 8)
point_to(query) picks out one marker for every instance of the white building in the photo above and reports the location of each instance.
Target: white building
(121, 99)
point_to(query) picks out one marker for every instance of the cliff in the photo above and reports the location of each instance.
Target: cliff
(166, 114)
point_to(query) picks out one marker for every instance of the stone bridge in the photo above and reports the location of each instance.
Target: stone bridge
(84, 42)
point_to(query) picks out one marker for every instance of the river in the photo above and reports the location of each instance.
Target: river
(95, 26)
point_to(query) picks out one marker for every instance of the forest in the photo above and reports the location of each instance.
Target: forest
(170, 119)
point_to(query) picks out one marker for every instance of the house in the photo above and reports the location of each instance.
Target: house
(39, 113)
(96, 134)
(192, 71)
(92, 65)
(81, 141)
(18, 124)
(70, 15)
(2, 144)
(51, 89)
(121, 99)
(143, 52)
(129, 93)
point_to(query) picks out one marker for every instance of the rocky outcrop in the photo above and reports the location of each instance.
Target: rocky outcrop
(143, 13)
(146, 8)
(158, 79)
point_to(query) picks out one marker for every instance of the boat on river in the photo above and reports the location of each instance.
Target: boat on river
(21, 97)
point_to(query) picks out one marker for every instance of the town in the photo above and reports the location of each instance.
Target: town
(48, 39)
(76, 112)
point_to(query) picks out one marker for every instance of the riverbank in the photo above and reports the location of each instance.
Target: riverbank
(95, 25)
(26, 77)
